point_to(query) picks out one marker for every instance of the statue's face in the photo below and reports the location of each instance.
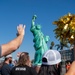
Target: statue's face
(38, 27)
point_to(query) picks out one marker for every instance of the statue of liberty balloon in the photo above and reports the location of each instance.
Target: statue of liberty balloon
(40, 41)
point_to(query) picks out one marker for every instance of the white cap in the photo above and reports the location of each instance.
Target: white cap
(51, 57)
(8, 56)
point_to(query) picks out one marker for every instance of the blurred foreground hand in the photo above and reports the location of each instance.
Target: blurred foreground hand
(71, 71)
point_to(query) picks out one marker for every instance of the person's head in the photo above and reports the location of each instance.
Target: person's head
(24, 59)
(50, 63)
(8, 58)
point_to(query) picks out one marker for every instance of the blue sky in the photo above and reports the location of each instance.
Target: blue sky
(14, 12)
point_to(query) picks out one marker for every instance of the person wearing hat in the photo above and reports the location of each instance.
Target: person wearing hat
(6, 68)
(14, 44)
(50, 63)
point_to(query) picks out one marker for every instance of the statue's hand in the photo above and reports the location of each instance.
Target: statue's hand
(34, 17)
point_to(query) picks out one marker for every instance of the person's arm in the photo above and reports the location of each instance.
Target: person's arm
(15, 43)
(71, 71)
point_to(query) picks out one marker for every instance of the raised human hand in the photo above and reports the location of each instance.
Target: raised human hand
(21, 29)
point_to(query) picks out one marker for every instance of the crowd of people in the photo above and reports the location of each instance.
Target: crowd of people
(51, 59)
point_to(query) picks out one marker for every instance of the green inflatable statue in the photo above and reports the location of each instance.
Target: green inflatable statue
(40, 41)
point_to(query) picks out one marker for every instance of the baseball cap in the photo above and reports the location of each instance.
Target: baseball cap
(51, 57)
(8, 56)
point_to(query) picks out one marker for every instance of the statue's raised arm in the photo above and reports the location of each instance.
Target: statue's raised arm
(33, 20)
(33, 27)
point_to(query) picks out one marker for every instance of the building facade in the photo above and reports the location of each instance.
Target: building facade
(67, 55)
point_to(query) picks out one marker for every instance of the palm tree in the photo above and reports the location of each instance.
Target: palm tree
(51, 45)
(61, 45)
